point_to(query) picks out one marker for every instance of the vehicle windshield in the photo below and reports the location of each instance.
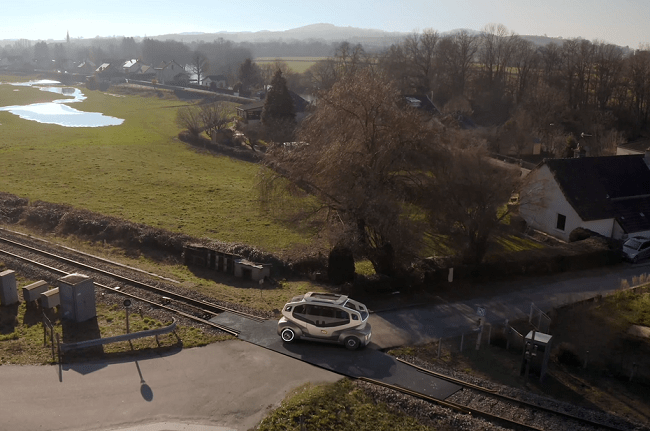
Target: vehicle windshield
(632, 243)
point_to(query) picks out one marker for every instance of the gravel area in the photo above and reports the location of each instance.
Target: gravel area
(492, 405)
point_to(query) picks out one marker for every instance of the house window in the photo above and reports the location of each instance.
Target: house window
(561, 222)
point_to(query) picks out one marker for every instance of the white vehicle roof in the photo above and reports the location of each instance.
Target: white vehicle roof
(327, 298)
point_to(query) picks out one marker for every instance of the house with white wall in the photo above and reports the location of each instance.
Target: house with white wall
(609, 195)
(169, 72)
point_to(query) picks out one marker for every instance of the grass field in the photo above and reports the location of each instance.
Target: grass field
(139, 170)
(337, 407)
(297, 64)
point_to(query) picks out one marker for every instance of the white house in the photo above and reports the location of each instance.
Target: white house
(219, 81)
(608, 195)
(168, 72)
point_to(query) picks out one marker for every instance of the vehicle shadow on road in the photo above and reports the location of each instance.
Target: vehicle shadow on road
(364, 362)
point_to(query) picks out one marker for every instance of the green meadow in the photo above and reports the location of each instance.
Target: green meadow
(296, 64)
(138, 171)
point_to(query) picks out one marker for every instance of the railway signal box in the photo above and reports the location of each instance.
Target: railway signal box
(77, 297)
(8, 291)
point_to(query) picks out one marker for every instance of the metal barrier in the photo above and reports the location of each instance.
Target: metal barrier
(539, 319)
(64, 347)
(48, 327)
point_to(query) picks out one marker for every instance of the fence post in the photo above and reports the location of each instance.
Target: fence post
(462, 339)
(44, 331)
(586, 359)
(58, 346)
(439, 346)
(490, 335)
(478, 337)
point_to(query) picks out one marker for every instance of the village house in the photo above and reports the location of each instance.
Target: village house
(608, 195)
(171, 72)
(215, 81)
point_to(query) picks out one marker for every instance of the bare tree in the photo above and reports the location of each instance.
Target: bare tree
(456, 56)
(189, 117)
(322, 75)
(525, 61)
(363, 155)
(496, 48)
(214, 118)
(638, 71)
(467, 198)
(609, 63)
(420, 50)
(199, 66)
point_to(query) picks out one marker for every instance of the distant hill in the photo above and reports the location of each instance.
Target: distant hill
(326, 33)
(322, 32)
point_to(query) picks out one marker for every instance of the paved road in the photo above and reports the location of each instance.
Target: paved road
(223, 386)
(368, 362)
(422, 324)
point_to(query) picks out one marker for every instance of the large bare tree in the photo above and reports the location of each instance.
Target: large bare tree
(364, 154)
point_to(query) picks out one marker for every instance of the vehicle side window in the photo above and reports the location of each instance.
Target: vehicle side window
(301, 312)
(325, 317)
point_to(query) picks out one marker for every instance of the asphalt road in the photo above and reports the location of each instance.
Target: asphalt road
(230, 385)
(421, 324)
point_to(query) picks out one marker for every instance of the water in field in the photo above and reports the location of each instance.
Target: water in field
(58, 111)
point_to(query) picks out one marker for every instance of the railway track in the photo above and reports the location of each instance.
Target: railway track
(510, 412)
(115, 278)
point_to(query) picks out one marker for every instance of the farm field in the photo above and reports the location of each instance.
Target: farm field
(297, 64)
(138, 171)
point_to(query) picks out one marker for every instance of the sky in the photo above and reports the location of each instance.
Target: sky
(622, 22)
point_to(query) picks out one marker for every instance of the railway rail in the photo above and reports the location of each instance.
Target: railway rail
(508, 411)
(198, 310)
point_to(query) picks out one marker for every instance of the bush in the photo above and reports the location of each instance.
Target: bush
(567, 354)
(340, 265)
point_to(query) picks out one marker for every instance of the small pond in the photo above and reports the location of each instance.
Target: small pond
(58, 111)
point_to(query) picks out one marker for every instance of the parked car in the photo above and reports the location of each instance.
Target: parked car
(325, 317)
(636, 248)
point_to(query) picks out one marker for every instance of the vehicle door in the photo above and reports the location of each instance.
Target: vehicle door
(326, 321)
(644, 250)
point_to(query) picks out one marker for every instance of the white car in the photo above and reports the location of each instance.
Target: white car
(636, 248)
(325, 317)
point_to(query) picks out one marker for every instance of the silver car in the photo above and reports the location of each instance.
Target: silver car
(636, 248)
(325, 317)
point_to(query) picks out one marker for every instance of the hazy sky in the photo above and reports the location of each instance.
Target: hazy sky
(623, 22)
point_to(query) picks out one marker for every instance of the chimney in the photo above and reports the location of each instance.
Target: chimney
(579, 152)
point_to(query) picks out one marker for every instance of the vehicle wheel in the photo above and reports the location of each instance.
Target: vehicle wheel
(288, 335)
(352, 343)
